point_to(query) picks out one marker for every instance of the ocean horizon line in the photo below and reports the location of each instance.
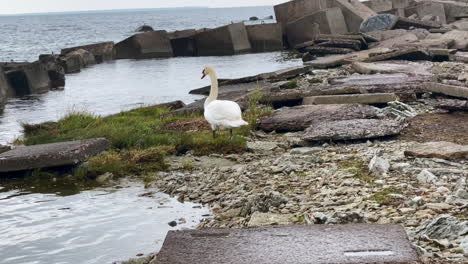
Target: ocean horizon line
(126, 10)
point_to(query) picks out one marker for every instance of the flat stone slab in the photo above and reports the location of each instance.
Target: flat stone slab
(51, 155)
(307, 244)
(440, 150)
(378, 98)
(452, 90)
(352, 129)
(372, 68)
(452, 104)
(301, 117)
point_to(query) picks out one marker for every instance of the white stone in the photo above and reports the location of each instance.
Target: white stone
(464, 245)
(305, 151)
(426, 177)
(379, 166)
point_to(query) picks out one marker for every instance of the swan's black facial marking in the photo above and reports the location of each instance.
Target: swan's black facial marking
(203, 74)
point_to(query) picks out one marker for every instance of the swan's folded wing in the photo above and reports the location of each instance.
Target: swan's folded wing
(224, 111)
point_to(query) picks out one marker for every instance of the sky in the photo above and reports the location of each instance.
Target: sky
(43, 6)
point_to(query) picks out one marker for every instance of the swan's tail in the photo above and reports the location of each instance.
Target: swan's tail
(239, 123)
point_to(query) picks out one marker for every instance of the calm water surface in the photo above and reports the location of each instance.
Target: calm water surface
(54, 223)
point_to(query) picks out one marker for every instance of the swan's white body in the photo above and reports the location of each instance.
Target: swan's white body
(221, 114)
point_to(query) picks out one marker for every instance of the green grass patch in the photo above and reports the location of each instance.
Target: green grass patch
(383, 197)
(255, 111)
(359, 168)
(139, 141)
(290, 85)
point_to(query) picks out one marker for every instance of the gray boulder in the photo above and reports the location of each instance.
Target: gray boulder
(380, 22)
(445, 227)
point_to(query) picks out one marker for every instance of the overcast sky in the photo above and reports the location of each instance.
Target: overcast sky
(40, 6)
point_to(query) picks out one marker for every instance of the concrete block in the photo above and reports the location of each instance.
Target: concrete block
(76, 60)
(428, 8)
(51, 155)
(103, 51)
(227, 40)
(293, 10)
(155, 44)
(378, 98)
(27, 78)
(354, 12)
(306, 244)
(330, 21)
(460, 37)
(4, 89)
(183, 42)
(379, 6)
(265, 37)
(451, 90)
(302, 30)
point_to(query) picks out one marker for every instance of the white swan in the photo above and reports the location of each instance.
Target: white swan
(221, 114)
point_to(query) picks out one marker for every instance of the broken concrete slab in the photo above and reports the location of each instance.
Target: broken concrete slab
(340, 43)
(4, 89)
(344, 244)
(265, 37)
(338, 60)
(451, 90)
(408, 23)
(103, 51)
(400, 40)
(378, 98)
(154, 44)
(459, 57)
(226, 40)
(410, 54)
(440, 150)
(51, 155)
(352, 129)
(354, 12)
(76, 60)
(319, 50)
(379, 6)
(372, 68)
(452, 104)
(302, 30)
(301, 117)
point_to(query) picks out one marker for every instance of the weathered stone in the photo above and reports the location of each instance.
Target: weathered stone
(354, 13)
(261, 145)
(53, 66)
(400, 40)
(183, 42)
(144, 28)
(301, 117)
(147, 45)
(102, 51)
(27, 78)
(380, 22)
(227, 40)
(338, 60)
(408, 23)
(301, 30)
(352, 129)
(76, 60)
(4, 148)
(305, 151)
(387, 34)
(339, 43)
(379, 5)
(51, 155)
(456, 91)
(347, 244)
(330, 21)
(430, 43)
(265, 37)
(426, 177)
(460, 39)
(441, 150)
(464, 245)
(381, 98)
(258, 219)
(452, 104)
(459, 57)
(445, 227)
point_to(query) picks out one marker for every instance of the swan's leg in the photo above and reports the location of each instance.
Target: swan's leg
(214, 133)
(230, 132)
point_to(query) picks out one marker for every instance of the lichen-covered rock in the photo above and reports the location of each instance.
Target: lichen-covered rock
(445, 227)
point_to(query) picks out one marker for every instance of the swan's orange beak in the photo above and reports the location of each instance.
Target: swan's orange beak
(203, 74)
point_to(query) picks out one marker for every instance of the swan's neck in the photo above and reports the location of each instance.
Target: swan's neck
(214, 89)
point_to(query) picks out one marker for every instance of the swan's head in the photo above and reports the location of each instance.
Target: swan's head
(207, 71)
